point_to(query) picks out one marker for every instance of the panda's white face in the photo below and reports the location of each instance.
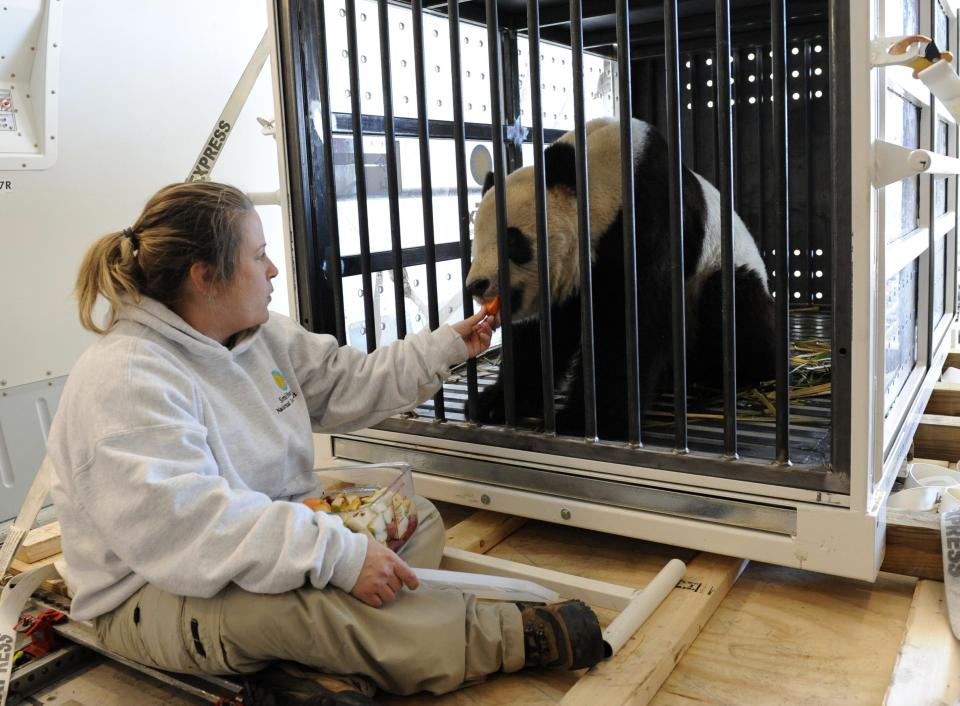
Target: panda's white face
(483, 278)
(603, 149)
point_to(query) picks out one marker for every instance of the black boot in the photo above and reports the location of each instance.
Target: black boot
(563, 635)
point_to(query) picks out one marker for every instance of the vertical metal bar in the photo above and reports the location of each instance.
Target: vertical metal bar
(333, 259)
(296, 58)
(629, 226)
(806, 101)
(511, 97)
(499, 168)
(393, 186)
(671, 55)
(760, 71)
(540, 203)
(696, 96)
(361, 177)
(583, 223)
(463, 207)
(931, 207)
(727, 269)
(841, 305)
(738, 95)
(426, 183)
(781, 210)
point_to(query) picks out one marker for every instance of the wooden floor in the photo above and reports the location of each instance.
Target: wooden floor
(781, 636)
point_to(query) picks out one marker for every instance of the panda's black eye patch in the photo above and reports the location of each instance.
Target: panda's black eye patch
(518, 246)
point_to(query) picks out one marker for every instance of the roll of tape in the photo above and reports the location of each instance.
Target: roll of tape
(928, 474)
(918, 498)
(950, 498)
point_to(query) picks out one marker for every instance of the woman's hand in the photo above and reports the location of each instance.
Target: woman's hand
(477, 331)
(382, 576)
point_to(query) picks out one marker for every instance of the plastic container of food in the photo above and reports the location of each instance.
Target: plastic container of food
(375, 499)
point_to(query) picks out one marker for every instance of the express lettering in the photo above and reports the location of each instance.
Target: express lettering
(212, 149)
(6, 647)
(952, 537)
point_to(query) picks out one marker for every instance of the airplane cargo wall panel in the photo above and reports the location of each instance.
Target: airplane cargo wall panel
(141, 86)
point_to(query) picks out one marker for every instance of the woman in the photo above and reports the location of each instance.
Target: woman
(183, 445)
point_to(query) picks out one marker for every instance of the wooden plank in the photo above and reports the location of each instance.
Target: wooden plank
(933, 462)
(483, 530)
(928, 666)
(56, 585)
(40, 543)
(945, 399)
(635, 674)
(785, 637)
(938, 436)
(953, 360)
(913, 551)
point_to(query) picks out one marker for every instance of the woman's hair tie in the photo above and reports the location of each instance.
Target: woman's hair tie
(134, 238)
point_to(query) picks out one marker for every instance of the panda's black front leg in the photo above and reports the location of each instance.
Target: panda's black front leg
(528, 394)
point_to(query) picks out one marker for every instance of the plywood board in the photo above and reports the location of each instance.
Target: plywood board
(928, 665)
(784, 637)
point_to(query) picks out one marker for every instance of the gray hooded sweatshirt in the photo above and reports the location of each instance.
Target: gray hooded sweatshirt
(180, 462)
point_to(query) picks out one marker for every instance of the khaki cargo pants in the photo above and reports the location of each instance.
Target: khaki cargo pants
(434, 639)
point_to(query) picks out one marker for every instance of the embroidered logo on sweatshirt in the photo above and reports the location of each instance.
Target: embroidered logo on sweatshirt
(288, 396)
(280, 380)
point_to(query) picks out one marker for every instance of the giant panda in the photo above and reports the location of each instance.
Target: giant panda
(754, 304)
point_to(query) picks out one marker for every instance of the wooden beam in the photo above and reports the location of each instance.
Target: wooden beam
(483, 530)
(945, 399)
(913, 545)
(56, 585)
(40, 543)
(928, 667)
(938, 436)
(953, 360)
(635, 674)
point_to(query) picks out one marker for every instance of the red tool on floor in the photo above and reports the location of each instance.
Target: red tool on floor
(39, 628)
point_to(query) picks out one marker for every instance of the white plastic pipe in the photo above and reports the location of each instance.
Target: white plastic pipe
(641, 606)
(895, 162)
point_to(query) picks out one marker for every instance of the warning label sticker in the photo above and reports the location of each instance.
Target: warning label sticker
(8, 119)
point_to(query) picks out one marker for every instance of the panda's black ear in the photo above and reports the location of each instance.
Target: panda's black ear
(487, 183)
(560, 165)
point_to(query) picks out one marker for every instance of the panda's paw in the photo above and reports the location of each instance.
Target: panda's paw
(490, 405)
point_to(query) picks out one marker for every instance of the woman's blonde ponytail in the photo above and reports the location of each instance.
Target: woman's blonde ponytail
(108, 271)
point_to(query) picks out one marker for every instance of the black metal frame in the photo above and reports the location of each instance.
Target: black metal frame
(322, 268)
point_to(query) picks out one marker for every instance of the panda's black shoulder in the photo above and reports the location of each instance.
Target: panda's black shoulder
(560, 165)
